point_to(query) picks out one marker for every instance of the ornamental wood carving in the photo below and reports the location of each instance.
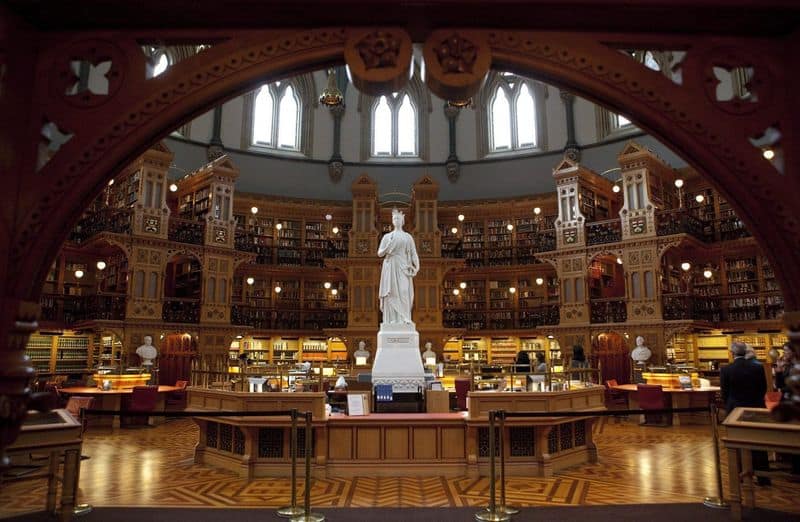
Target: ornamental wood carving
(111, 128)
(378, 59)
(456, 62)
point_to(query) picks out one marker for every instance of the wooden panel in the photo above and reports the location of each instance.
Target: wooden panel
(340, 443)
(396, 440)
(368, 443)
(425, 443)
(454, 445)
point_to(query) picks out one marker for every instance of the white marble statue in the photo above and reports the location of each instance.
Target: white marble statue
(641, 353)
(400, 265)
(147, 352)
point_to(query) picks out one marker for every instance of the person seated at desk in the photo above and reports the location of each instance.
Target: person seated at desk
(541, 366)
(523, 362)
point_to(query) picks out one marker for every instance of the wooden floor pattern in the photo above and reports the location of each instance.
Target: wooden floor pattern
(154, 467)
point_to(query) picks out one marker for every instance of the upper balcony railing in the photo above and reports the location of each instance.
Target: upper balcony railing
(600, 232)
(608, 310)
(501, 319)
(680, 221)
(181, 310)
(271, 318)
(186, 231)
(70, 309)
(116, 220)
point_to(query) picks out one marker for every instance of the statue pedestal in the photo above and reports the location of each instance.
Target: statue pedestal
(397, 360)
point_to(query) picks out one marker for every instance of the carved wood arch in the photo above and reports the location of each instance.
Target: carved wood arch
(110, 131)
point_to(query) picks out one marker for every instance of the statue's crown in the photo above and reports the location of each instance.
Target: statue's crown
(397, 212)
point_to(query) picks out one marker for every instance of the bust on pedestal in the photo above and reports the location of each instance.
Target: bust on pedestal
(397, 360)
(428, 356)
(361, 356)
(147, 353)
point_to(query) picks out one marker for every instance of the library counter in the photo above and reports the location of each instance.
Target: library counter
(410, 444)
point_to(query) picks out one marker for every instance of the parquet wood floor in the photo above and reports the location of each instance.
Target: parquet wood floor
(154, 467)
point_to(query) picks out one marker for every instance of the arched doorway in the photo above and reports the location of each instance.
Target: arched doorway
(175, 360)
(610, 351)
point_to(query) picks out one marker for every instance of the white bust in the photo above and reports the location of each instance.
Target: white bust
(362, 354)
(641, 353)
(147, 352)
(428, 356)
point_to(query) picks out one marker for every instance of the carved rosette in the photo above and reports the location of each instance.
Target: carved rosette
(379, 59)
(456, 62)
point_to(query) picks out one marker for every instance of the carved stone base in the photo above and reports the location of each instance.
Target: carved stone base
(398, 361)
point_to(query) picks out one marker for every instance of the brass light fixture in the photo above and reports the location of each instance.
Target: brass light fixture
(460, 104)
(331, 95)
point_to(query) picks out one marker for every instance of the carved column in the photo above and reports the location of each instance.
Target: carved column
(336, 163)
(151, 213)
(17, 322)
(452, 164)
(215, 147)
(571, 149)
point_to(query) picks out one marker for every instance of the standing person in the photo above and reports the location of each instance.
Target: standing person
(744, 385)
(578, 358)
(523, 362)
(782, 367)
(541, 366)
(400, 265)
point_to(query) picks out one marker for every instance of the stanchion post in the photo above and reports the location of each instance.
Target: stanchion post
(80, 509)
(504, 508)
(717, 502)
(492, 514)
(292, 510)
(307, 515)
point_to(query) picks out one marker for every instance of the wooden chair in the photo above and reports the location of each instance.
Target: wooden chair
(615, 399)
(143, 398)
(74, 406)
(652, 397)
(462, 388)
(178, 397)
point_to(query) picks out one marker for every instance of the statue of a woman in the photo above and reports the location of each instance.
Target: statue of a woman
(400, 265)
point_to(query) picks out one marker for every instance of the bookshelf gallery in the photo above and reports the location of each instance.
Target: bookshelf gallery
(290, 280)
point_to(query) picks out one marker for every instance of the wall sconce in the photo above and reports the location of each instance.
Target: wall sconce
(254, 210)
(278, 289)
(462, 285)
(512, 290)
(616, 188)
(619, 260)
(327, 285)
(768, 153)
(699, 198)
(335, 230)
(686, 266)
(540, 281)
(173, 187)
(708, 273)
(334, 292)
(461, 217)
(537, 210)
(456, 291)
(110, 182)
(79, 273)
(454, 230)
(328, 217)
(101, 265)
(251, 281)
(510, 227)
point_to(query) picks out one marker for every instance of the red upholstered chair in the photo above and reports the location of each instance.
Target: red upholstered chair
(462, 387)
(74, 406)
(615, 399)
(143, 398)
(652, 397)
(178, 397)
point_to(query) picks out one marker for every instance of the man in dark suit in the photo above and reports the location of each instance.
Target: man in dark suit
(743, 385)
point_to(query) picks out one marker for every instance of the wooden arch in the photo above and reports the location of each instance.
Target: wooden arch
(110, 130)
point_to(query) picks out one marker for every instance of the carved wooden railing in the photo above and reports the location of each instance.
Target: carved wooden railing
(116, 220)
(601, 232)
(181, 310)
(608, 310)
(186, 231)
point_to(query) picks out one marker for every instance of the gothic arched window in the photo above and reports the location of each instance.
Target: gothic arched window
(394, 127)
(514, 114)
(277, 112)
(279, 116)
